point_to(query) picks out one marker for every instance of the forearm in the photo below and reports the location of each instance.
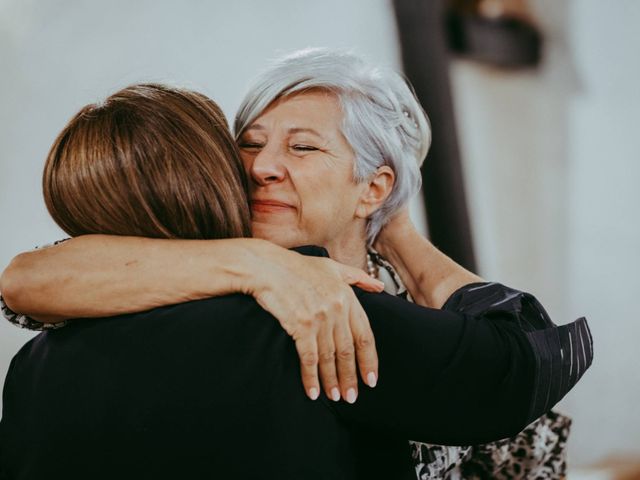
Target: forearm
(445, 377)
(97, 275)
(430, 276)
(481, 368)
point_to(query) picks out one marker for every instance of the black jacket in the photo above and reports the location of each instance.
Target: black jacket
(211, 389)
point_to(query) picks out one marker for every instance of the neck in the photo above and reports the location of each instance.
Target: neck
(350, 250)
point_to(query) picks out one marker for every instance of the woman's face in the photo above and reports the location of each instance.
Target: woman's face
(300, 168)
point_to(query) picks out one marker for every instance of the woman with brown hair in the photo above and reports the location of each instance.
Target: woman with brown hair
(175, 141)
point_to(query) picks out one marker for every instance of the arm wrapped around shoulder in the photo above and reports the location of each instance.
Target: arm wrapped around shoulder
(561, 354)
(478, 370)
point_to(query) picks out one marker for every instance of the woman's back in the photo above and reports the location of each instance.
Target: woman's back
(208, 388)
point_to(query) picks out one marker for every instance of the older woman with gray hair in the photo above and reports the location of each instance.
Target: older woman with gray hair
(382, 121)
(332, 147)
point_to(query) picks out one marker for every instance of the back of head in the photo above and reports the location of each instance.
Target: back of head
(383, 121)
(150, 160)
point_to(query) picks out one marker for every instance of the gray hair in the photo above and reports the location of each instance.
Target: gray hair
(383, 121)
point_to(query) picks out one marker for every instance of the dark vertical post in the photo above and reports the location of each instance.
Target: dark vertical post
(425, 57)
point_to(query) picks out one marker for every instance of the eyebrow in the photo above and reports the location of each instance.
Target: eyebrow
(290, 130)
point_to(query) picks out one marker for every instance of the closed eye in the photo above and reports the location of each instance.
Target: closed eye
(304, 148)
(250, 145)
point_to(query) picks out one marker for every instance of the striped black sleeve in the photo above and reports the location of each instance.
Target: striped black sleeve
(562, 353)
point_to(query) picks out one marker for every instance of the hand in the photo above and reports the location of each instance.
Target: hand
(397, 229)
(429, 275)
(312, 299)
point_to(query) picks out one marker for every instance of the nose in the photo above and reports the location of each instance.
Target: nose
(267, 167)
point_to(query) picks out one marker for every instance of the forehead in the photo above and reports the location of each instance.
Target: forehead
(314, 108)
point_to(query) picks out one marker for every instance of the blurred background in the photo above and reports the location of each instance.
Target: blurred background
(533, 177)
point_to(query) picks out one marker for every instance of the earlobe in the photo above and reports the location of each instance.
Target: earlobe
(378, 189)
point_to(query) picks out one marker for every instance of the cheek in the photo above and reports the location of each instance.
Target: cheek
(327, 207)
(326, 192)
(246, 164)
(315, 198)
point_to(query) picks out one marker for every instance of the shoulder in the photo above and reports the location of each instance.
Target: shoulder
(208, 313)
(181, 326)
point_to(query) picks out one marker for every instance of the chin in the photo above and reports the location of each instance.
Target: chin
(280, 235)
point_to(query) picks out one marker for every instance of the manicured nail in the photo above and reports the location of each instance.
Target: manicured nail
(371, 379)
(313, 393)
(335, 394)
(351, 395)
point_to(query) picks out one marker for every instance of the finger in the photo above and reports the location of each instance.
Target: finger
(357, 277)
(346, 360)
(327, 362)
(365, 345)
(307, 348)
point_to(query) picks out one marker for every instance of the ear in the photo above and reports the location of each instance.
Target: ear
(376, 191)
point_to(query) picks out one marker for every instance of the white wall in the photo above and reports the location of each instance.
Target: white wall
(551, 156)
(603, 205)
(552, 163)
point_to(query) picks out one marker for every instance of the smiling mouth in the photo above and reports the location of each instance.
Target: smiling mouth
(269, 206)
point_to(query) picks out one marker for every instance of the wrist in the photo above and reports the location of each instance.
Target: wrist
(256, 258)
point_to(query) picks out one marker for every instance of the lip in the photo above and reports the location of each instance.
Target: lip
(268, 206)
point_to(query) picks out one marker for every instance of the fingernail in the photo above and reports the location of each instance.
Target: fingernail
(380, 284)
(371, 379)
(313, 393)
(335, 394)
(351, 395)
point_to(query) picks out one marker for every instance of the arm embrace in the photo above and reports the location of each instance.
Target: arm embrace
(482, 368)
(98, 275)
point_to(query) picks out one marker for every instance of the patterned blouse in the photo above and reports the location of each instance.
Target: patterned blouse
(539, 451)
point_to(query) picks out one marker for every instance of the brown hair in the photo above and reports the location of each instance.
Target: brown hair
(152, 161)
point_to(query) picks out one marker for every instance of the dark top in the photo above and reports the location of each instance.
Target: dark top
(211, 389)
